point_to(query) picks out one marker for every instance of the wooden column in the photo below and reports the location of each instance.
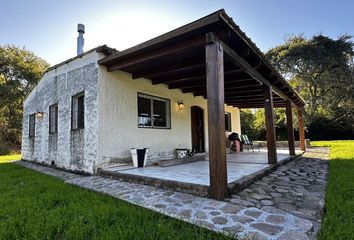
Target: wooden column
(301, 130)
(216, 118)
(270, 128)
(289, 124)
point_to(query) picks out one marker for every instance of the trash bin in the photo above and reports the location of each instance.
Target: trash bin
(139, 156)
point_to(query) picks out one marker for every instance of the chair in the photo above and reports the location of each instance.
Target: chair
(249, 143)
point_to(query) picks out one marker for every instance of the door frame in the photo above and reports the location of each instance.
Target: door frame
(201, 136)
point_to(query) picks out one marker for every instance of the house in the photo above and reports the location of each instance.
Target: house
(182, 89)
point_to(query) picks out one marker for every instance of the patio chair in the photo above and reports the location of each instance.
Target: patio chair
(249, 143)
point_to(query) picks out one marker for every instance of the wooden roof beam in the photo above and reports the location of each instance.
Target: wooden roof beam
(181, 80)
(249, 98)
(195, 86)
(244, 96)
(161, 52)
(240, 62)
(186, 65)
(248, 106)
(203, 93)
(188, 75)
(246, 91)
(161, 71)
(197, 82)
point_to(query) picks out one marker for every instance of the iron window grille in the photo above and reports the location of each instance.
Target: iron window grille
(153, 112)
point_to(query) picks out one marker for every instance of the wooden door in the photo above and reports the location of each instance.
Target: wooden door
(197, 126)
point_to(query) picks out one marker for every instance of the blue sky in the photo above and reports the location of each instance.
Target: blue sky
(48, 28)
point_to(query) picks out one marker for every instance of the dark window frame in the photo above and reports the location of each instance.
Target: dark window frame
(32, 125)
(78, 111)
(228, 124)
(167, 110)
(55, 130)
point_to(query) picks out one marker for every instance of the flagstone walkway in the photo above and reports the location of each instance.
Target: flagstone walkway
(287, 204)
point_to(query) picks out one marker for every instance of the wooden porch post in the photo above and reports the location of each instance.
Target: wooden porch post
(289, 124)
(301, 130)
(269, 121)
(216, 121)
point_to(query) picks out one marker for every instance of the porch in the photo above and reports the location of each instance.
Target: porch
(213, 59)
(193, 177)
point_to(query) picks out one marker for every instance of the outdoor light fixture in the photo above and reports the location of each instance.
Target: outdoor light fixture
(180, 105)
(40, 115)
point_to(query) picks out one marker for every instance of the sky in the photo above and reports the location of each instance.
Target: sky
(49, 28)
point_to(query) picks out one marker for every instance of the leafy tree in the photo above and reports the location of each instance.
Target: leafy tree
(247, 124)
(253, 123)
(20, 70)
(321, 70)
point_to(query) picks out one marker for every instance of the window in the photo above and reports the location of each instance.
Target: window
(31, 125)
(78, 111)
(153, 112)
(53, 118)
(228, 122)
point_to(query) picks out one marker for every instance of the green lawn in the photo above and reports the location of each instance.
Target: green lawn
(36, 206)
(10, 158)
(338, 222)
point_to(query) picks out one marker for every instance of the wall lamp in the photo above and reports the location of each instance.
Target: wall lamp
(180, 105)
(40, 115)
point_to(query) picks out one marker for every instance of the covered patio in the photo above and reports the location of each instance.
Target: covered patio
(213, 58)
(193, 177)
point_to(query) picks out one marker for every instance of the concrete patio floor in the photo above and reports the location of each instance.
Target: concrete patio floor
(239, 165)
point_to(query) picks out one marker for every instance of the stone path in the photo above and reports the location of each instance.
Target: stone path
(296, 188)
(286, 204)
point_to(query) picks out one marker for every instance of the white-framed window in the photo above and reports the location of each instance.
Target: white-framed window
(153, 112)
(228, 127)
(78, 111)
(53, 118)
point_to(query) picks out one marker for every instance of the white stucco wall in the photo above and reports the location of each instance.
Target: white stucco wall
(111, 127)
(118, 126)
(58, 86)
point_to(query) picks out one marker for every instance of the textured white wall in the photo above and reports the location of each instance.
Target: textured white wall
(58, 86)
(118, 128)
(110, 117)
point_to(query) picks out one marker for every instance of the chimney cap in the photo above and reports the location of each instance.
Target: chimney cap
(81, 28)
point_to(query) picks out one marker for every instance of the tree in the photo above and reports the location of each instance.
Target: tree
(253, 123)
(321, 70)
(20, 70)
(247, 124)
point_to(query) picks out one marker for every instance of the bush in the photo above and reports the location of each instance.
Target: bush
(4, 148)
(325, 133)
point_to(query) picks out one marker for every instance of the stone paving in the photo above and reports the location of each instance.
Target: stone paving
(287, 204)
(297, 188)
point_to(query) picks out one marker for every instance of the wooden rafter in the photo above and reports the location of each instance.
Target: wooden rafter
(183, 76)
(201, 85)
(243, 64)
(162, 52)
(177, 59)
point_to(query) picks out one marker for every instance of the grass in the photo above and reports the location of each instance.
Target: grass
(37, 206)
(10, 158)
(338, 222)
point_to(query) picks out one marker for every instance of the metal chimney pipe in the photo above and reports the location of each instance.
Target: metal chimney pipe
(80, 38)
